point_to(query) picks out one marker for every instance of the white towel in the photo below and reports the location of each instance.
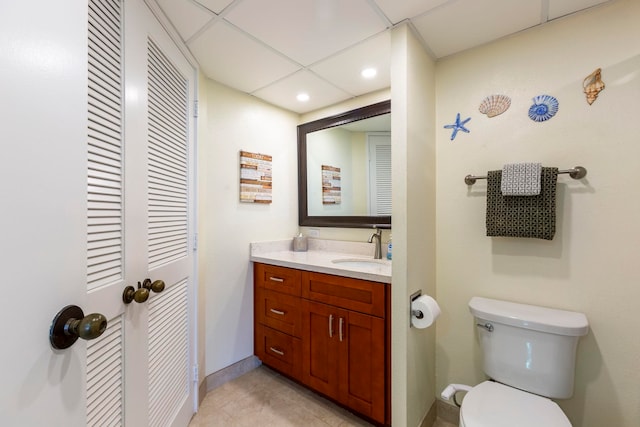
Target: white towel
(521, 179)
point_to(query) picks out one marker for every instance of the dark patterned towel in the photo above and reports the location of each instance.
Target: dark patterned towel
(522, 216)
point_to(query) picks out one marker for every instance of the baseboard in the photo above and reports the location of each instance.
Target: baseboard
(231, 372)
(447, 412)
(202, 391)
(430, 418)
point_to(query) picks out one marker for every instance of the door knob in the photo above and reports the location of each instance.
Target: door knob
(157, 286)
(70, 324)
(139, 295)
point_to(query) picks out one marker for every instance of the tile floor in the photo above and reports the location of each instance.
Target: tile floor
(263, 398)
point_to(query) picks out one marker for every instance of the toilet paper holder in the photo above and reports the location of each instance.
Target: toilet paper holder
(417, 313)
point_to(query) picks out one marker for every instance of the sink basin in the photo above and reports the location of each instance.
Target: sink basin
(360, 262)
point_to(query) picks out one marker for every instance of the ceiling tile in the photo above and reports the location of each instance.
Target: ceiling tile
(283, 93)
(239, 62)
(344, 69)
(307, 30)
(397, 11)
(456, 26)
(186, 16)
(216, 6)
(262, 47)
(558, 8)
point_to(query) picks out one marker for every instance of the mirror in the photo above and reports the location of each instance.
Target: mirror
(344, 169)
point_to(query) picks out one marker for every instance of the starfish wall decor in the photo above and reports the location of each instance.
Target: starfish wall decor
(458, 125)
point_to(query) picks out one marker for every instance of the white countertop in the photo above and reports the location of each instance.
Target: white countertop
(320, 258)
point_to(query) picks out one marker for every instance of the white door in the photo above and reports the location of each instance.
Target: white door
(61, 246)
(43, 188)
(159, 226)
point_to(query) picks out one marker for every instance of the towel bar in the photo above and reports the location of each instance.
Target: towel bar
(577, 172)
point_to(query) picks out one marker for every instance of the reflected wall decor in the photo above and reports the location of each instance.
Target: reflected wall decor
(331, 188)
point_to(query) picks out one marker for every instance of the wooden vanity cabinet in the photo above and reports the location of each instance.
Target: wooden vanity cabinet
(342, 328)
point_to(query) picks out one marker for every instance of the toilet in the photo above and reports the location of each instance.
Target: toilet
(529, 355)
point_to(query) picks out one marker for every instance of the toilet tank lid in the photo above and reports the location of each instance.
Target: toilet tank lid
(533, 317)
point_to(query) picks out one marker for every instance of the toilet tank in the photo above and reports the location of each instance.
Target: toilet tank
(529, 347)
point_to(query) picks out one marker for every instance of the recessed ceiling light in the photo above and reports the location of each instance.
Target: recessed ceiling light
(369, 73)
(302, 97)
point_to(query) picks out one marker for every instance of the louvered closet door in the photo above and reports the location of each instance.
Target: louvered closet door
(159, 222)
(105, 215)
(379, 144)
(141, 92)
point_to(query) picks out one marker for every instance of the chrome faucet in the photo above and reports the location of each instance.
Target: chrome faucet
(378, 237)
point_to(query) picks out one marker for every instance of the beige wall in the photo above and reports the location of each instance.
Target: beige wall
(592, 264)
(230, 121)
(413, 176)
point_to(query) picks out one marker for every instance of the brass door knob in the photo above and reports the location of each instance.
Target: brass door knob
(70, 324)
(139, 295)
(156, 286)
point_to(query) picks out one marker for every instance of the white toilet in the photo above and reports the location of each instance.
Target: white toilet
(529, 354)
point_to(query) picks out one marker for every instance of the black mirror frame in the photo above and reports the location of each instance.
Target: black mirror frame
(304, 219)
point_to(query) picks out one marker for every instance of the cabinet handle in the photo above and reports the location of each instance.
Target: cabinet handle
(276, 351)
(276, 279)
(340, 328)
(273, 310)
(331, 326)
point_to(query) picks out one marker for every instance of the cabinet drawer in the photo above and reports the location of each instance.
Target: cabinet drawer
(280, 279)
(279, 351)
(279, 311)
(353, 294)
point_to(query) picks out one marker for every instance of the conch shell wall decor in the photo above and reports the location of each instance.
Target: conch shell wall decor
(494, 105)
(592, 85)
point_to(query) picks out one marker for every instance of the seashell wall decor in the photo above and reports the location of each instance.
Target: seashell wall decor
(544, 107)
(495, 105)
(592, 85)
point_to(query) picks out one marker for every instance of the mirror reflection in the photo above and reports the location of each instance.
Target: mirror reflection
(344, 169)
(349, 168)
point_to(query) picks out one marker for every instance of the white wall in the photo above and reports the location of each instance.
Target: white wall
(592, 264)
(413, 177)
(230, 121)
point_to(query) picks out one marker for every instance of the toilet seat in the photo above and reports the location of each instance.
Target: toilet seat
(491, 404)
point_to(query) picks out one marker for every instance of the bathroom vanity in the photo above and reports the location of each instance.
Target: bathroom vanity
(322, 318)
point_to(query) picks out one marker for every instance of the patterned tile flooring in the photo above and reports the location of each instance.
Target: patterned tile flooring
(263, 398)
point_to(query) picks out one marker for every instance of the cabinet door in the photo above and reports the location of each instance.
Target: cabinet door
(277, 350)
(321, 346)
(362, 364)
(353, 294)
(278, 311)
(279, 279)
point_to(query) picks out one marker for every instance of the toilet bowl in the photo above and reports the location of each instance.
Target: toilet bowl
(529, 355)
(491, 404)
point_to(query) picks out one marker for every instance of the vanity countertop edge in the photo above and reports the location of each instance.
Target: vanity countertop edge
(320, 256)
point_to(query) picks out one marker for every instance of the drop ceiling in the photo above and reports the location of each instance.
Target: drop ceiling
(276, 49)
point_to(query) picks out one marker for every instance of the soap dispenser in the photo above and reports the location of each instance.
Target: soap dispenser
(389, 247)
